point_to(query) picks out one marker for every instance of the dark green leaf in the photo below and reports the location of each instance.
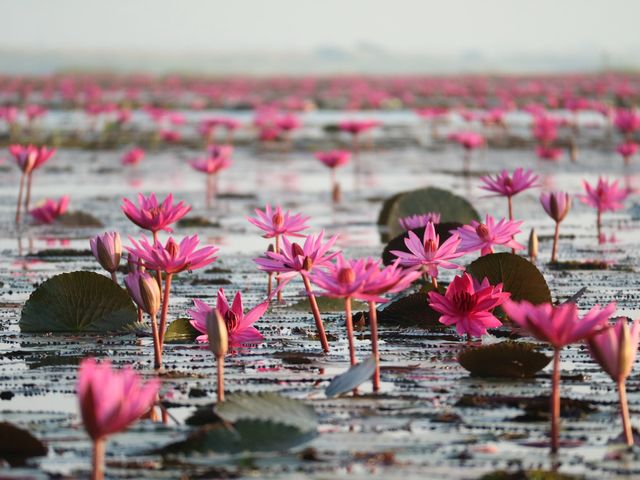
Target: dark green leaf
(181, 331)
(504, 359)
(518, 275)
(16, 444)
(78, 302)
(452, 208)
(79, 219)
(243, 436)
(267, 406)
(326, 305)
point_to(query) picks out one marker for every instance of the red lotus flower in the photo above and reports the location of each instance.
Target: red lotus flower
(429, 254)
(275, 223)
(150, 215)
(483, 236)
(49, 210)
(239, 325)
(468, 305)
(173, 257)
(412, 222)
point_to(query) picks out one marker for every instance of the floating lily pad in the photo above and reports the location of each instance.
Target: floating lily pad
(267, 406)
(397, 243)
(519, 276)
(356, 375)
(78, 302)
(253, 422)
(17, 445)
(243, 436)
(79, 219)
(181, 331)
(327, 305)
(505, 359)
(411, 311)
(197, 221)
(451, 208)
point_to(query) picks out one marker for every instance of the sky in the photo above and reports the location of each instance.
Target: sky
(442, 27)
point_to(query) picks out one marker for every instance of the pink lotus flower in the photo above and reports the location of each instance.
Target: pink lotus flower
(110, 401)
(347, 279)
(483, 236)
(239, 325)
(557, 205)
(627, 150)
(293, 258)
(627, 121)
(392, 278)
(468, 305)
(275, 223)
(49, 210)
(545, 128)
(356, 127)
(133, 156)
(30, 158)
(548, 153)
(173, 257)
(468, 140)
(558, 325)
(107, 249)
(152, 216)
(507, 186)
(615, 349)
(605, 196)
(419, 220)
(34, 111)
(428, 254)
(219, 158)
(334, 158)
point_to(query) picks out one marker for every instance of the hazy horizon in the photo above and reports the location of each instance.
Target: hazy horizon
(491, 33)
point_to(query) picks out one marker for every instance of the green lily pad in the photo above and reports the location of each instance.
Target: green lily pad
(252, 422)
(451, 207)
(180, 331)
(397, 243)
(267, 406)
(243, 436)
(505, 359)
(78, 302)
(79, 219)
(327, 305)
(411, 311)
(518, 275)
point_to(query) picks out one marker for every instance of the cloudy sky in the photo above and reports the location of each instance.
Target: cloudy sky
(442, 27)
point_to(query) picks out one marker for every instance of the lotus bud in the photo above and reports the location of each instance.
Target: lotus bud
(217, 332)
(144, 291)
(533, 245)
(107, 248)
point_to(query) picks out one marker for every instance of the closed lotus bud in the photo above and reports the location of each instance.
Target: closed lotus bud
(135, 263)
(626, 355)
(307, 263)
(107, 248)
(336, 193)
(533, 245)
(217, 332)
(144, 290)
